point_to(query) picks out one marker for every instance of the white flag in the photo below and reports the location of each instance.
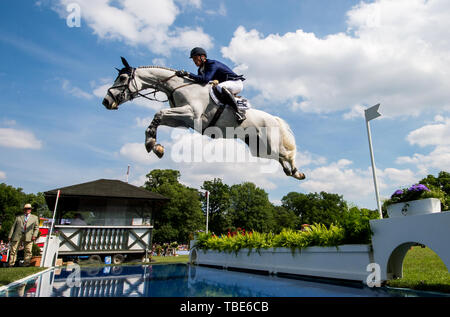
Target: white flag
(372, 112)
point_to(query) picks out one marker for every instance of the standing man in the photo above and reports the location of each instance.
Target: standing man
(229, 85)
(25, 229)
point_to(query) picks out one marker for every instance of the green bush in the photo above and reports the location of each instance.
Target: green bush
(35, 250)
(314, 235)
(356, 225)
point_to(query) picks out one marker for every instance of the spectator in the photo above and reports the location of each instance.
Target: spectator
(25, 229)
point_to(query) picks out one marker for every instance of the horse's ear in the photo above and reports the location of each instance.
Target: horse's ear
(117, 69)
(125, 63)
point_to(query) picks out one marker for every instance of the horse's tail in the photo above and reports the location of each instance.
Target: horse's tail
(287, 138)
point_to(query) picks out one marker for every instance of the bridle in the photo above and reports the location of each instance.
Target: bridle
(159, 85)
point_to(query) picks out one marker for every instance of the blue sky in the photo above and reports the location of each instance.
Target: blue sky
(316, 64)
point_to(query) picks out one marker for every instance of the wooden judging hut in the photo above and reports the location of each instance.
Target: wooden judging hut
(104, 218)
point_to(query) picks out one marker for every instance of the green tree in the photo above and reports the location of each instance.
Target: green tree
(323, 207)
(250, 208)
(182, 215)
(442, 181)
(284, 218)
(11, 204)
(356, 224)
(219, 218)
(158, 177)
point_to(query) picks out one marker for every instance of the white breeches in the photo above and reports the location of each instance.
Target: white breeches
(233, 86)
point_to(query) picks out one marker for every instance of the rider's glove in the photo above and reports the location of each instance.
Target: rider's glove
(181, 73)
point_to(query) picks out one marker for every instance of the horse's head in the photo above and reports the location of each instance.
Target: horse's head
(122, 90)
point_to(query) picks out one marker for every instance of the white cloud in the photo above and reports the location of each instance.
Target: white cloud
(337, 177)
(222, 10)
(143, 122)
(159, 61)
(398, 177)
(74, 90)
(306, 158)
(356, 112)
(438, 159)
(140, 22)
(20, 139)
(136, 152)
(2, 175)
(395, 53)
(101, 90)
(194, 3)
(436, 135)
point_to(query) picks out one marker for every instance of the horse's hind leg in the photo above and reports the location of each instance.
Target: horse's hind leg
(287, 151)
(294, 171)
(285, 166)
(289, 168)
(297, 174)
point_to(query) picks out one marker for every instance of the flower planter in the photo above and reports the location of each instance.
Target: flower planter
(35, 261)
(414, 207)
(348, 262)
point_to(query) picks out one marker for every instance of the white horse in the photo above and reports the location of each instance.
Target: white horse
(191, 106)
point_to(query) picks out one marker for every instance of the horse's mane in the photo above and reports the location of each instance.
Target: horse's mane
(162, 67)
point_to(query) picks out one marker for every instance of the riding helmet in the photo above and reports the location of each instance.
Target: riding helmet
(197, 51)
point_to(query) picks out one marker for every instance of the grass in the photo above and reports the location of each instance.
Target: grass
(9, 275)
(170, 259)
(155, 260)
(423, 270)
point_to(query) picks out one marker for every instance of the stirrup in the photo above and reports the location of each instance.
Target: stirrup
(240, 117)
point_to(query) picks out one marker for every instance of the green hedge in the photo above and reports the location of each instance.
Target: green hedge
(314, 235)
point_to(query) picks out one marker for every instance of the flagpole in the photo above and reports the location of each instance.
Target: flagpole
(374, 173)
(128, 172)
(207, 210)
(370, 114)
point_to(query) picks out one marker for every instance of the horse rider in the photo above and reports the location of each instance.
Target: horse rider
(229, 83)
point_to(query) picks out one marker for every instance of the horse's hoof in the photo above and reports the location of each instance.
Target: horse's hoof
(299, 176)
(149, 145)
(159, 150)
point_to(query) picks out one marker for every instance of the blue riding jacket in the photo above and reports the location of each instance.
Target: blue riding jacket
(214, 70)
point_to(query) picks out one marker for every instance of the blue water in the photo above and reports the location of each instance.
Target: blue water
(181, 280)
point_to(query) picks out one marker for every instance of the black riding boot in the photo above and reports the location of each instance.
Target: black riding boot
(230, 100)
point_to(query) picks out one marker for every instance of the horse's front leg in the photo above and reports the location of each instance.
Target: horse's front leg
(150, 133)
(173, 117)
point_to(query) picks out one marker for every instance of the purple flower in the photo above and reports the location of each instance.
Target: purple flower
(418, 188)
(398, 192)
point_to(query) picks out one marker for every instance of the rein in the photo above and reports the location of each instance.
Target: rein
(157, 88)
